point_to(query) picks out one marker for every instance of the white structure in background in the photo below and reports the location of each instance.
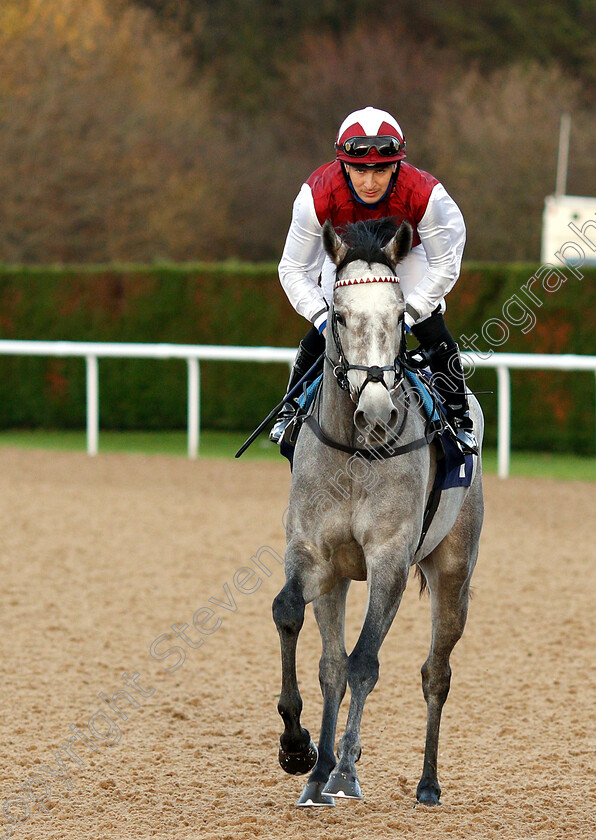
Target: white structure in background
(569, 229)
(569, 221)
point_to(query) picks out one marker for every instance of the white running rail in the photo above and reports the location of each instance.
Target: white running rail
(193, 354)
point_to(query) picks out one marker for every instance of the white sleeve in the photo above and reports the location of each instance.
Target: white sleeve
(302, 260)
(443, 235)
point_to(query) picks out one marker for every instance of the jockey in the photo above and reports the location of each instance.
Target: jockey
(369, 179)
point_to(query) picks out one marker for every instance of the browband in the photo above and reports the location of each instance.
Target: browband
(357, 280)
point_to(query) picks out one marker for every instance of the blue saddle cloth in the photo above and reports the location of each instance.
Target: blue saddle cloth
(454, 469)
(305, 400)
(306, 397)
(424, 391)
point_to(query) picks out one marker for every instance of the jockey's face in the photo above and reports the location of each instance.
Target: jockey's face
(370, 184)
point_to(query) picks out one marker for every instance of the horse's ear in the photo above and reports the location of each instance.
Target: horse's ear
(399, 246)
(333, 244)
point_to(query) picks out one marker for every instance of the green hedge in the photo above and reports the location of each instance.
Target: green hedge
(244, 305)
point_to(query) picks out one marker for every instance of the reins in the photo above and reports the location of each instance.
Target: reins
(380, 453)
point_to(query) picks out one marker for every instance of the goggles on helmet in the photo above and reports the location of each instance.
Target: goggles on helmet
(359, 147)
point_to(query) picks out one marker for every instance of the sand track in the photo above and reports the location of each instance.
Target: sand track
(101, 556)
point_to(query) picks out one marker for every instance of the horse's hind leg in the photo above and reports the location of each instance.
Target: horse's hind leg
(297, 752)
(329, 612)
(449, 585)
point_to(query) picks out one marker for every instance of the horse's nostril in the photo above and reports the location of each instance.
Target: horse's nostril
(360, 420)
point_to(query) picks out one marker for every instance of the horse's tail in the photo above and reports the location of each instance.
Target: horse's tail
(422, 581)
(424, 585)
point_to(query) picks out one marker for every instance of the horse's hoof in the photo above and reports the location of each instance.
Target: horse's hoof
(298, 763)
(313, 795)
(343, 785)
(428, 796)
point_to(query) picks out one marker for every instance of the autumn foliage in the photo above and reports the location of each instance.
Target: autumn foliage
(142, 131)
(107, 140)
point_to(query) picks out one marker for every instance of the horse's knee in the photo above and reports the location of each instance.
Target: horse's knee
(436, 680)
(288, 610)
(333, 672)
(363, 669)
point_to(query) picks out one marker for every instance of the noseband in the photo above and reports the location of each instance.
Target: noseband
(374, 373)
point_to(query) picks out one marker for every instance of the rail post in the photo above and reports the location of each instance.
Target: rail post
(504, 422)
(92, 385)
(194, 407)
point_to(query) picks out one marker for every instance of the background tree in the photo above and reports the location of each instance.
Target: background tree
(107, 139)
(182, 129)
(496, 149)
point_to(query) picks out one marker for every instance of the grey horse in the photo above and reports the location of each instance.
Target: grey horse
(363, 472)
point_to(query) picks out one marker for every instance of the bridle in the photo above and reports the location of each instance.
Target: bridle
(374, 373)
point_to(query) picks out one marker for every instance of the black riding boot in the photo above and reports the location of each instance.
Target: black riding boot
(308, 353)
(448, 376)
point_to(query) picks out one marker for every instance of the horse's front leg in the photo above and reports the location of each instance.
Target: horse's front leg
(329, 612)
(297, 752)
(386, 583)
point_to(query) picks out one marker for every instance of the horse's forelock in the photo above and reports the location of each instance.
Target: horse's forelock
(365, 241)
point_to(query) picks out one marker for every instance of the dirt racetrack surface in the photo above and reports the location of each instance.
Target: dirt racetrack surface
(100, 557)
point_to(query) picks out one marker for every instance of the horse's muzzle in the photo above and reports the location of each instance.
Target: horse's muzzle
(376, 416)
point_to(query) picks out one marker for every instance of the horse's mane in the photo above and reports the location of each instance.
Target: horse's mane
(365, 241)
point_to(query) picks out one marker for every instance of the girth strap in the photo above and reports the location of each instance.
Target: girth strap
(380, 453)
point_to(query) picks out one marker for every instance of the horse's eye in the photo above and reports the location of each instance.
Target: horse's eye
(339, 319)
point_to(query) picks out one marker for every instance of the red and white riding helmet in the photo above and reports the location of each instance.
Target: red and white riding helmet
(369, 137)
